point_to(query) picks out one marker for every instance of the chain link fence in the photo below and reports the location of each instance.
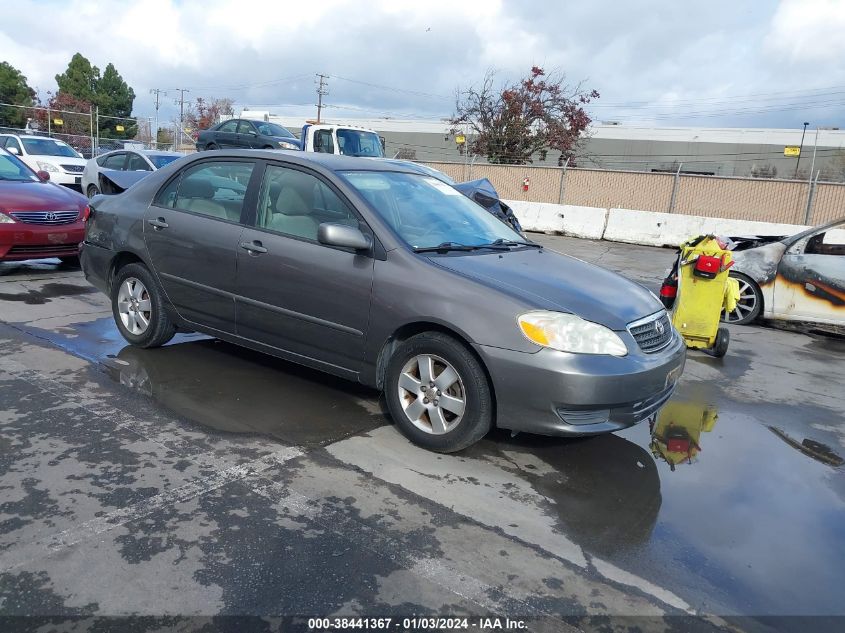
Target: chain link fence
(765, 200)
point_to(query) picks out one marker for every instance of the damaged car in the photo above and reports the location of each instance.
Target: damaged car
(116, 171)
(793, 278)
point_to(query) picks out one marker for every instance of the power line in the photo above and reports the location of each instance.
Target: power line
(392, 88)
(181, 103)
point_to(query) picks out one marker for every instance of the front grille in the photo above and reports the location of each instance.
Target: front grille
(52, 249)
(50, 218)
(652, 333)
(76, 169)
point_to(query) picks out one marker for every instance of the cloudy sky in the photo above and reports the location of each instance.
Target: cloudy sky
(755, 63)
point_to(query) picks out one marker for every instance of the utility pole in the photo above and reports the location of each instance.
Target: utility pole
(322, 90)
(800, 147)
(158, 92)
(181, 103)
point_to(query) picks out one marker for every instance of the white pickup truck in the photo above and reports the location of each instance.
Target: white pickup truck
(349, 140)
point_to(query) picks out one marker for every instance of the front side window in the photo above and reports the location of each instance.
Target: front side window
(213, 188)
(426, 212)
(295, 203)
(48, 147)
(229, 126)
(136, 162)
(271, 129)
(245, 127)
(826, 243)
(115, 161)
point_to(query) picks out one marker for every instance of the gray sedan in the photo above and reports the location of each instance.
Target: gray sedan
(383, 275)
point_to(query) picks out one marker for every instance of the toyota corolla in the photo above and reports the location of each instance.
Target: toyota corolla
(382, 275)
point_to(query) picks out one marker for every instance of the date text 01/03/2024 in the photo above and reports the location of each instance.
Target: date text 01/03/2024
(416, 624)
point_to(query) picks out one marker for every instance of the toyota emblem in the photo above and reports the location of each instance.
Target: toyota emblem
(50, 216)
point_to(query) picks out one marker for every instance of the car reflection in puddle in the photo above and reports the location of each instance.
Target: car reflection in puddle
(231, 389)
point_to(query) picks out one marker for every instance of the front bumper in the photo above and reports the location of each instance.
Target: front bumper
(31, 241)
(558, 393)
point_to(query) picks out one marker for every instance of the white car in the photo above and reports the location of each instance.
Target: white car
(42, 153)
(101, 173)
(793, 278)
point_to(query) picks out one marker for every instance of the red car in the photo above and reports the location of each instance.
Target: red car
(38, 218)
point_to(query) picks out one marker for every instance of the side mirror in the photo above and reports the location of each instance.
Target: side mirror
(43, 176)
(13, 150)
(344, 236)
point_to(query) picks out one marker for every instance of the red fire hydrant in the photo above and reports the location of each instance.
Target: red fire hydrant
(526, 182)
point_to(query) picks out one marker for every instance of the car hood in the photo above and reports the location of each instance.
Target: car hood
(37, 196)
(60, 160)
(551, 281)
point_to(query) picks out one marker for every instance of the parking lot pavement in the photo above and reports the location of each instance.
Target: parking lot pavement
(201, 479)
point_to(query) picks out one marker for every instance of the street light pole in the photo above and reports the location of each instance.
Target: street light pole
(800, 147)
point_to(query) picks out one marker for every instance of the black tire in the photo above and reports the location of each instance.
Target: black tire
(750, 303)
(211, 146)
(159, 329)
(92, 191)
(268, 147)
(723, 339)
(477, 417)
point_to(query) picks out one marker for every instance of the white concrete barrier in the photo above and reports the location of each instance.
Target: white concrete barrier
(648, 228)
(584, 222)
(667, 229)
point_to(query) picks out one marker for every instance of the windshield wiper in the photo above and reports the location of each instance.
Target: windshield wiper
(504, 242)
(444, 247)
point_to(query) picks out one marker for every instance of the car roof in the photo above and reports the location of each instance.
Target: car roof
(330, 162)
(38, 136)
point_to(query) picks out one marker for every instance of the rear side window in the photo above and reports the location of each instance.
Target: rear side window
(323, 142)
(213, 188)
(228, 126)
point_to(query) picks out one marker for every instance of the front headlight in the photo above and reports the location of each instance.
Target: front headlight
(47, 167)
(5, 219)
(570, 333)
(286, 145)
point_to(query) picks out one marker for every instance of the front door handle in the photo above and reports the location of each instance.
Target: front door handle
(158, 224)
(253, 247)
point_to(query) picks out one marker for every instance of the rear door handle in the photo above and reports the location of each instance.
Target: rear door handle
(253, 247)
(158, 224)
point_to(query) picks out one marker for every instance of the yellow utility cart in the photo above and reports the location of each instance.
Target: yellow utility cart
(697, 289)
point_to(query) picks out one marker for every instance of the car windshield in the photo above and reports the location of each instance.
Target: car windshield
(358, 143)
(160, 160)
(426, 212)
(48, 147)
(13, 169)
(271, 129)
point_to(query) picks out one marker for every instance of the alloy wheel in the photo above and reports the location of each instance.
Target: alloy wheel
(745, 306)
(134, 306)
(432, 394)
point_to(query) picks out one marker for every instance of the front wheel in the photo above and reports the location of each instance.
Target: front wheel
(438, 394)
(211, 147)
(750, 302)
(92, 191)
(138, 307)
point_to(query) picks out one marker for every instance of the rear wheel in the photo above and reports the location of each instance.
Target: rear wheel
(211, 146)
(750, 301)
(138, 307)
(438, 394)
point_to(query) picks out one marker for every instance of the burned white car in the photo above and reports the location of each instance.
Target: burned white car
(795, 278)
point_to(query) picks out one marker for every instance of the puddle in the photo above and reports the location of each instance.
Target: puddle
(707, 502)
(47, 292)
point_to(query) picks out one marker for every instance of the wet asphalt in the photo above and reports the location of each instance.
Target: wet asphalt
(203, 480)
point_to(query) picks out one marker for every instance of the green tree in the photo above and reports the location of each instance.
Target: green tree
(109, 93)
(80, 79)
(115, 98)
(14, 90)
